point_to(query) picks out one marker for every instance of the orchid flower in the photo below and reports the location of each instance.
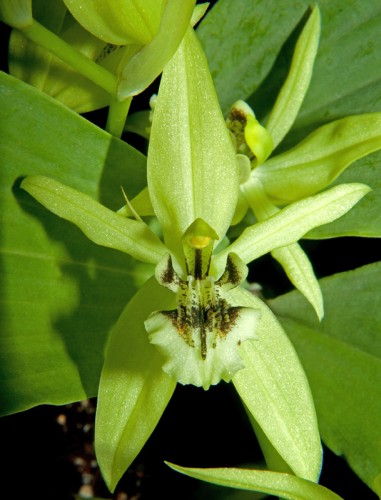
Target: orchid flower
(106, 51)
(193, 322)
(268, 182)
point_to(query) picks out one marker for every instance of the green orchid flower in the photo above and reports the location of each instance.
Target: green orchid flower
(193, 322)
(269, 182)
(94, 54)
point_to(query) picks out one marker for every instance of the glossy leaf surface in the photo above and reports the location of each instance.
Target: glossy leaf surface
(60, 293)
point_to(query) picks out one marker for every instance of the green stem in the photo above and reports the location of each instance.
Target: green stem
(85, 66)
(117, 115)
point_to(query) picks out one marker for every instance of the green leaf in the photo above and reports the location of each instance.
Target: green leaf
(292, 222)
(119, 23)
(59, 293)
(133, 390)
(38, 67)
(101, 225)
(140, 71)
(275, 390)
(272, 483)
(192, 169)
(291, 95)
(242, 40)
(346, 387)
(320, 158)
(346, 78)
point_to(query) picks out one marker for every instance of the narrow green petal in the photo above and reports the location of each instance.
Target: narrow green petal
(192, 168)
(101, 225)
(275, 390)
(314, 163)
(133, 391)
(301, 274)
(291, 257)
(148, 63)
(295, 88)
(293, 222)
(120, 22)
(272, 483)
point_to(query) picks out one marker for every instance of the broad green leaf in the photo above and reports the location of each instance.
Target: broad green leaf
(341, 356)
(192, 170)
(16, 13)
(365, 219)
(320, 158)
(275, 390)
(121, 22)
(100, 224)
(346, 79)
(242, 40)
(140, 71)
(353, 314)
(59, 293)
(133, 390)
(292, 222)
(38, 67)
(272, 483)
(291, 95)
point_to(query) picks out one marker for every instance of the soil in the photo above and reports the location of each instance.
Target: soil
(48, 453)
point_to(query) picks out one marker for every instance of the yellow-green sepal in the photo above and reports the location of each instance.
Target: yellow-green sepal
(192, 169)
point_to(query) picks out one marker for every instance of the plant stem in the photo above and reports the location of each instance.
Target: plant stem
(117, 115)
(85, 66)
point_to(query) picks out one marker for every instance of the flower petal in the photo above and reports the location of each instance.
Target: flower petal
(121, 22)
(148, 63)
(275, 390)
(101, 225)
(200, 338)
(134, 390)
(273, 483)
(320, 158)
(295, 87)
(292, 223)
(192, 169)
(291, 257)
